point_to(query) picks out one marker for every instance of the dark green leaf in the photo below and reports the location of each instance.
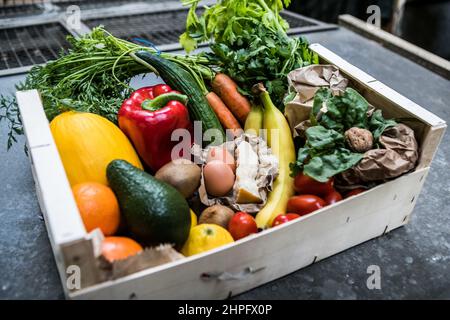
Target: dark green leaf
(378, 124)
(322, 168)
(321, 139)
(339, 112)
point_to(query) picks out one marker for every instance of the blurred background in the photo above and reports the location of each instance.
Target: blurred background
(34, 31)
(425, 23)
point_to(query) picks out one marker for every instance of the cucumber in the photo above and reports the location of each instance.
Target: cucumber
(181, 80)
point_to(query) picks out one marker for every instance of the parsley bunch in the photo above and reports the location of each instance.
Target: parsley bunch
(249, 42)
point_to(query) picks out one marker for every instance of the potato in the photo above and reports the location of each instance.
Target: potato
(216, 214)
(182, 174)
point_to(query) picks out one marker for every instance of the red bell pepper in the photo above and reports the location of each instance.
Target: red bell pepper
(149, 117)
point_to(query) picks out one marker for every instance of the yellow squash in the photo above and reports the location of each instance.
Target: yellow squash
(87, 143)
(279, 139)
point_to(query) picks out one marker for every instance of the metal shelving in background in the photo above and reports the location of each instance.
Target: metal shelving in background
(34, 31)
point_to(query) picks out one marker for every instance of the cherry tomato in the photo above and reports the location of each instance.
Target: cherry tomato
(282, 218)
(304, 204)
(241, 225)
(354, 192)
(332, 197)
(304, 184)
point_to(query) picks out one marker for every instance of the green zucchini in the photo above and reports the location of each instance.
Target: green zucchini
(181, 80)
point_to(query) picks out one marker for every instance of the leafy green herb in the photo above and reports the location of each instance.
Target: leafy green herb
(93, 76)
(250, 42)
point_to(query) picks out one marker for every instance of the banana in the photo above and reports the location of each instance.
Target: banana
(254, 121)
(280, 140)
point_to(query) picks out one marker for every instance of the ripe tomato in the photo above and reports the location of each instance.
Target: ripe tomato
(304, 204)
(304, 184)
(354, 192)
(241, 225)
(282, 218)
(332, 197)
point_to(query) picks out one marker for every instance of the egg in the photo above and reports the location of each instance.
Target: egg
(221, 154)
(219, 178)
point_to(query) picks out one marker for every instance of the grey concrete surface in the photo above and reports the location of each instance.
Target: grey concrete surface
(414, 260)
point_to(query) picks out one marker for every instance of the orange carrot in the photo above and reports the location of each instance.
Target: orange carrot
(225, 116)
(227, 90)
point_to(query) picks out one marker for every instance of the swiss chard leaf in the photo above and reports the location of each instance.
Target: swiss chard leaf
(321, 139)
(378, 124)
(339, 112)
(324, 154)
(323, 167)
(302, 156)
(355, 109)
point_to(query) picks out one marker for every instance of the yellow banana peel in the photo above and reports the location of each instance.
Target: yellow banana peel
(254, 122)
(279, 139)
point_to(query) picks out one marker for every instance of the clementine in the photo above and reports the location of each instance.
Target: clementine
(98, 207)
(117, 248)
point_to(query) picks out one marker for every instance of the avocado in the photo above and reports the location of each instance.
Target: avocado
(155, 212)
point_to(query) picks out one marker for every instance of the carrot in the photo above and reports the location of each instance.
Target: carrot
(225, 116)
(227, 90)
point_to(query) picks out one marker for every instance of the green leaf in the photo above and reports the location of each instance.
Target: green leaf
(322, 168)
(257, 46)
(302, 156)
(356, 109)
(321, 139)
(339, 112)
(188, 43)
(378, 124)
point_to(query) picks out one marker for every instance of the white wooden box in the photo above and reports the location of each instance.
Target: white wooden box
(251, 261)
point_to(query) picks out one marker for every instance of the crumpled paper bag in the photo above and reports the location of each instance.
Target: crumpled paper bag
(305, 82)
(399, 155)
(267, 172)
(148, 258)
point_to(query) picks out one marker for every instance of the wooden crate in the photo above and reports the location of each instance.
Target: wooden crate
(249, 262)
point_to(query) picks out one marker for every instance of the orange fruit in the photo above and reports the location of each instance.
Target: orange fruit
(98, 207)
(116, 248)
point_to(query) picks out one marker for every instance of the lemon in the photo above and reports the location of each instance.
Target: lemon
(193, 219)
(204, 237)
